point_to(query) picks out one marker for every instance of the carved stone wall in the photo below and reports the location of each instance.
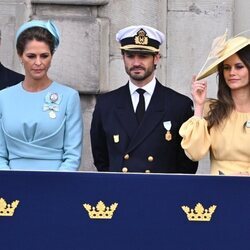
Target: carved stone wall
(12, 13)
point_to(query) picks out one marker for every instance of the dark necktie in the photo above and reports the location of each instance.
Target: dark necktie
(140, 109)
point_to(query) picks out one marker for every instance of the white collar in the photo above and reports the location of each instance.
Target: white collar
(149, 87)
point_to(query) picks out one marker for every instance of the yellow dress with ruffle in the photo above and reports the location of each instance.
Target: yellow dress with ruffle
(228, 144)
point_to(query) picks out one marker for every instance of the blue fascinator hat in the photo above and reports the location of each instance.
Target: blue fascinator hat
(48, 25)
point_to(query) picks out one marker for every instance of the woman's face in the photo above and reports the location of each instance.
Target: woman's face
(36, 59)
(235, 72)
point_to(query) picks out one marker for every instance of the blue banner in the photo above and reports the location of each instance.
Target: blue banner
(51, 210)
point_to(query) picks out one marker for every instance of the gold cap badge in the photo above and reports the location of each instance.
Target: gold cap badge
(141, 37)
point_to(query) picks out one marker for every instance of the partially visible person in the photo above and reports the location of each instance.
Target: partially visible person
(135, 128)
(8, 77)
(222, 126)
(41, 122)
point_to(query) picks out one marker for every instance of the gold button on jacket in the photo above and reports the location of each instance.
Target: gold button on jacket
(124, 170)
(126, 157)
(150, 158)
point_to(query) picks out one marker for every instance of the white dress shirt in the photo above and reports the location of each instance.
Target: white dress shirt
(149, 88)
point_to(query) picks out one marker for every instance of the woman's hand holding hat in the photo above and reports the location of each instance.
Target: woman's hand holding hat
(199, 94)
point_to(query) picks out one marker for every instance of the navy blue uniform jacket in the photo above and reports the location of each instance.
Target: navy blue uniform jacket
(119, 143)
(9, 77)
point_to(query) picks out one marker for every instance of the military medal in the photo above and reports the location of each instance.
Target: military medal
(52, 114)
(168, 136)
(116, 138)
(167, 125)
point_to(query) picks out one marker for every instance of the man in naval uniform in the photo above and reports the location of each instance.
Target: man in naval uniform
(8, 77)
(135, 127)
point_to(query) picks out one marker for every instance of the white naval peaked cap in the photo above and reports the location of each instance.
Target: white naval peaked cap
(140, 38)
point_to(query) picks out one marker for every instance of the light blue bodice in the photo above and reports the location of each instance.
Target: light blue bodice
(40, 130)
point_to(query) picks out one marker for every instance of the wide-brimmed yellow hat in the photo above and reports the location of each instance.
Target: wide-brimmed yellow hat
(230, 47)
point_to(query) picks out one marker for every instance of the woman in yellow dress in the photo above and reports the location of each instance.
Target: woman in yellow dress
(222, 126)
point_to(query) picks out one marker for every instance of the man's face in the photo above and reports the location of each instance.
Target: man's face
(140, 66)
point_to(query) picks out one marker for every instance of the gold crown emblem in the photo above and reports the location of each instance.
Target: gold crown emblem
(7, 209)
(199, 213)
(100, 211)
(141, 37)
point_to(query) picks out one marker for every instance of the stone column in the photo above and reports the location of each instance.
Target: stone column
(82, 59)
(12, 14)
(192, 26)
(241, 17)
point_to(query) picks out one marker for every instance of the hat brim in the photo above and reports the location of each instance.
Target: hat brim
(212, 68)
(140, 48)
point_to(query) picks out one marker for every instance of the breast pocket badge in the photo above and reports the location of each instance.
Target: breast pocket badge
(116, 138)
(167, 125)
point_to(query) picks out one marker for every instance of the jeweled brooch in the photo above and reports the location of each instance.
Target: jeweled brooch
(52, 101)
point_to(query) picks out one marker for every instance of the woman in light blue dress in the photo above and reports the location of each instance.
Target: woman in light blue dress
(40, 119)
